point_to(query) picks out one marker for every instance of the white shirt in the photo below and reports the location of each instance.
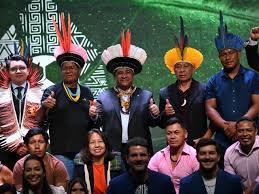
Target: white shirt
(124, 125)
(14, 86)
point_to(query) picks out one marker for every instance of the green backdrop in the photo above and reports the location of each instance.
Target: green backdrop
(154, 23)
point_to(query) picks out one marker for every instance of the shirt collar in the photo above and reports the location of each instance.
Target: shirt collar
(255, 146)
(186, 149)
(240, 72)
(15, 86)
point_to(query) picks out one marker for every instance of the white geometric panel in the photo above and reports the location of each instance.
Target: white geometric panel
(39, 31)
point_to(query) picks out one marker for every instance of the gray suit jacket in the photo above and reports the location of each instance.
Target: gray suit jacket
(139, 120)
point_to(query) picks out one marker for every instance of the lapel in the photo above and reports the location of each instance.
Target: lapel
(219, 183)
(199, 184)
(116, 103)
(134, 103)
(172, 96)
(194, 93)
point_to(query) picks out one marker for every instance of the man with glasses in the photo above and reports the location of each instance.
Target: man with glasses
(20, 95)
(233, 92)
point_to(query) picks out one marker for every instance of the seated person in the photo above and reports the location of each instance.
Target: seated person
(178, 159)
(138, 178)
(96, 159)
(77, 186)
(36, 141)
(210, 178)
(34, 178)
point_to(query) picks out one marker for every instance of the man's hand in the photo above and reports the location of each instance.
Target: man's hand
(50, 102)
(230, 129)
(168, 108)
(93, 109)
(153, 108)
(254, 33)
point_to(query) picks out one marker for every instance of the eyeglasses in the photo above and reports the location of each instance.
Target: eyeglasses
(15, 69)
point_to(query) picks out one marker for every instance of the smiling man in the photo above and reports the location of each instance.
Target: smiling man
(241, 158)
(36, 142)
(125, 111)
(209, 179)
(233, 92)
(178, 159)
(139, 179)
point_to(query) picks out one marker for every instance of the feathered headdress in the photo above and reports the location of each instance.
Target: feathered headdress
(67, 51)
(124, 55)
(24, 55)
(182, 53)
(227, 40)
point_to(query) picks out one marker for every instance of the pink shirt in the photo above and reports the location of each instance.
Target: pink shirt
(244, 165)
(186, 164)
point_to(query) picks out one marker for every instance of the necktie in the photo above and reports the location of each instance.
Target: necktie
(19, 94)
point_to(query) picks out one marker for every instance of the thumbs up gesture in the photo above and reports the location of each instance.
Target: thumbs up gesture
(254, 33)
(168, 108)
(93, 109)
(50, 102)
(153, 108)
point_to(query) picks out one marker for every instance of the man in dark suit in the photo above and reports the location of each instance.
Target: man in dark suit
(125, 111)
(209, 178)
(252, 49)
(186, 97)
(139, 179)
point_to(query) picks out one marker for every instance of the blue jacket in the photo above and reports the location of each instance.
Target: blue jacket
(225, 184)
(157, 184)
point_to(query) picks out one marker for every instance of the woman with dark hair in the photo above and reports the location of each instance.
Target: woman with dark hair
(77, 186)
(34, 178)
(93, 163)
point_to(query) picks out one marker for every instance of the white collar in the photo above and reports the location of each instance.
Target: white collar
(15, 86)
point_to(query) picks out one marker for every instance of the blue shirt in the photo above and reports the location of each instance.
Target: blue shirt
(233, 96)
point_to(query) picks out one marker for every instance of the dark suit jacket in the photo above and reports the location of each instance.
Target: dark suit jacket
(195, 118)
(139, 120)
(225, 184)
(157, 184)
(252, 56)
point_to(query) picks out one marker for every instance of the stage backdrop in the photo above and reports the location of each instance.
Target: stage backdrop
(96, 24)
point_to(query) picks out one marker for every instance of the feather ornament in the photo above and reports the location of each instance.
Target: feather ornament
(64, 35)
(182, 42)
(125, 42)
(222, 29)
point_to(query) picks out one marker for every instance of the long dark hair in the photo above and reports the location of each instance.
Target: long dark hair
(85, 153)
(73, 182)
(26, 185)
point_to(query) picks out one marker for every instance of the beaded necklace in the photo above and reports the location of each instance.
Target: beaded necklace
(125, 97)
(73, 97)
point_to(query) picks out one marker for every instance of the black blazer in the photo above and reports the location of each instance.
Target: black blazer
(225, 184)
(195, 118)
(139, 120)
(252, 56)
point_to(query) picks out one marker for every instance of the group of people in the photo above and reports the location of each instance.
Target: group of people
(105, 146)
